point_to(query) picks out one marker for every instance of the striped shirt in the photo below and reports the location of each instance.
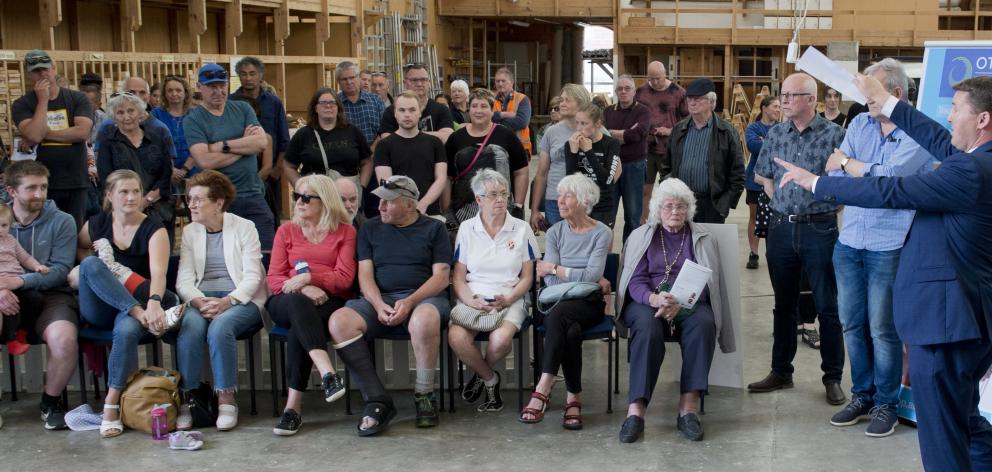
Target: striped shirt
(364, 114)
(895, 155)
(695, 168)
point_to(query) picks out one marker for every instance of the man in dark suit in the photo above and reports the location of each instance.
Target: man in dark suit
(942, 298)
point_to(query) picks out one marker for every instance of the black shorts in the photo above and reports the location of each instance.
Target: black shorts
(751, 196)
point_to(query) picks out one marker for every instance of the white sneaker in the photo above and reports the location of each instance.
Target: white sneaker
(227, 417)
(185, 419)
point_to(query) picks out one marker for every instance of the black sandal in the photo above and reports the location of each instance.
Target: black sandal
(380, 411)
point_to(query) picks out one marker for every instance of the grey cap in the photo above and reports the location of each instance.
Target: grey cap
(397, 186)
(37, 59)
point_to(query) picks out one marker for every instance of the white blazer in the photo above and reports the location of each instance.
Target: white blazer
(242, 255)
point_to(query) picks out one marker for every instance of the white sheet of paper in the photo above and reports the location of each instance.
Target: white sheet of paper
(17, 155)
(690, 283)
(814, 63)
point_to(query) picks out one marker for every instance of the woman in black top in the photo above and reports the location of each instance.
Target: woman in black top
(503, 153)
(597, 156)
(122, 286)
(831, 107)
(146, 150)
(341, 148)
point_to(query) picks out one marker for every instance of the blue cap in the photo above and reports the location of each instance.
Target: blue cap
(212, 74)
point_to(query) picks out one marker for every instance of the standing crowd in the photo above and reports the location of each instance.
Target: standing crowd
(409, 218)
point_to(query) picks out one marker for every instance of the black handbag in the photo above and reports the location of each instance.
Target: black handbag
(202, 404)
(762, 216)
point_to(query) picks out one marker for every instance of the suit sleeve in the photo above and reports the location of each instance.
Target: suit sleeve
(924, 130)
(953, 187)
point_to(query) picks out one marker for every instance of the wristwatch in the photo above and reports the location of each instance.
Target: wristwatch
(226, 148)
(843, 164)
(155, 297)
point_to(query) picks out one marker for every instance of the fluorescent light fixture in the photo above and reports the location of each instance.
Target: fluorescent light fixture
(522, 24)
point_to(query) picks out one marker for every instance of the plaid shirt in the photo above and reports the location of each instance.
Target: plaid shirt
(365, 113)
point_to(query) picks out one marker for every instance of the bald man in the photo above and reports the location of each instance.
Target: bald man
(351, 197)
(666, 102)
(802, 233)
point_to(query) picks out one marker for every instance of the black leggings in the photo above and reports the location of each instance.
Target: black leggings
(307, 326)
(563, 338)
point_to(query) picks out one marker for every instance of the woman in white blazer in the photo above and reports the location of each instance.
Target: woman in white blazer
(222, 280)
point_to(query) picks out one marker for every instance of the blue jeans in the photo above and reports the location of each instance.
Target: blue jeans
(104, 303)
(630, 190)
(255, 209)
(864, 300)
(794, 248)
(551, 212)
(220, 335)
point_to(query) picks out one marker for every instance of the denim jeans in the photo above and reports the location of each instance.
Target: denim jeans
(220, 335)
(864, 299)
(255, 209)
(551, 212)
(630, 190)
(791, 249)
(104, 303)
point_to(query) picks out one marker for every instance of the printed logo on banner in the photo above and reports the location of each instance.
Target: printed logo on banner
(963, 64)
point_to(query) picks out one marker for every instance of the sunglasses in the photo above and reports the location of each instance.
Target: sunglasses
(211, 75)
(306, 198)
(32, 61)
(390, 185)
(126, 93)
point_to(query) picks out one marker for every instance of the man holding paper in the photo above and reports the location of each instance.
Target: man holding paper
(801, 237)
(942, 296)
(668, 256)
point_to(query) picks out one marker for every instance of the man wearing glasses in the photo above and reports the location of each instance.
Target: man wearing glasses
(55, 123)
(226, 136)
(629, 122)
(435, 119)
(802, 233)
(362, 108)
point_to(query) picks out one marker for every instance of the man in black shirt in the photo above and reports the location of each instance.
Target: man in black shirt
(58, 121)
(434, 119)
(413, 153)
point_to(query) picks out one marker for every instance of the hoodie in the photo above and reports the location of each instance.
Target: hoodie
(51, 239)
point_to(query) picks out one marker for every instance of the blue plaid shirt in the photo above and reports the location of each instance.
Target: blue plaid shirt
(365, 113)
(895, 155)
(810, 150)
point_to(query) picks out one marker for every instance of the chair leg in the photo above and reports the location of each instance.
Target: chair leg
(96, 388)
(282, 368)
(272, 376)
(609, 375)
(347, 392)
(520, 371)
(537, 357)
(251, 373)
(13, 377)
(81, 371)
(451, 380)
(702, 403)
(175, 356)
(444, 365)
(616, 365)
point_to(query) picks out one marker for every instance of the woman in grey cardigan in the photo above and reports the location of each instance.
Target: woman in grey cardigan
(575, 251)
(652, 258)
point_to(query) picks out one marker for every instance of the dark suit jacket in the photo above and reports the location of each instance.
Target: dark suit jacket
(942, 291)
(726, 166)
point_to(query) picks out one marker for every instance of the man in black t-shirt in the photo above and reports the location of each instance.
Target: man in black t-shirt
(413, 153)
(55, 123)
(403, 266)
(434, 119)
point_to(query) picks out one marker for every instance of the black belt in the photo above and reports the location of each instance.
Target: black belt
(827, 217)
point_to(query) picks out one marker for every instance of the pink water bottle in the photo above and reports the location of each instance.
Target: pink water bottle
(160, 422)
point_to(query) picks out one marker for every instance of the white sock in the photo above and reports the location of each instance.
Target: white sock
(492, 382)
(425, 381)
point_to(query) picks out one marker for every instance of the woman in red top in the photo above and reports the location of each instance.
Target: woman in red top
(311, 274)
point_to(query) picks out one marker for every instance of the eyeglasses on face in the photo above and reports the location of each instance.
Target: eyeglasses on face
(670, 207)
(306, 198)
(327, 103)
(789, 96)
(493, 196)
(554, 108)
(197, 201)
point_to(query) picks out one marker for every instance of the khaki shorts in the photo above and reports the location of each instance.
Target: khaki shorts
(58, 305)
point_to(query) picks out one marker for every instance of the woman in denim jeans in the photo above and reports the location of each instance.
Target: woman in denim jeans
(123, 289)
(221, 279)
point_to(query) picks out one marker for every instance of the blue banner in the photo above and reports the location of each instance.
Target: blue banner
(946, 63)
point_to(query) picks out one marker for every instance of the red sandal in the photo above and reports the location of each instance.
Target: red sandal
(572, 422)
(538, 415)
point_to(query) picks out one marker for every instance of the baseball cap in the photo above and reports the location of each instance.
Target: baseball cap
(37, 59)
(211, 74)
(397, 186)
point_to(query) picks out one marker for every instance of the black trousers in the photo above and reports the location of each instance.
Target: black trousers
(307, 326)
(706, 212)
(71, 201)
(647, 349)
(563, 338)
(30, 301)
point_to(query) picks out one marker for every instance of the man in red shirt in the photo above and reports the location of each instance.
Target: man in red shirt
(667, 103)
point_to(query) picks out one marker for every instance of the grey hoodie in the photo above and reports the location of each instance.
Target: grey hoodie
(51, 239)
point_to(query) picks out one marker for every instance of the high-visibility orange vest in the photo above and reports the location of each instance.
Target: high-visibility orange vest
(523, 134)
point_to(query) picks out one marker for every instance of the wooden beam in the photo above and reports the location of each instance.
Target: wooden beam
(322, 26)
(197, 17)
(130, 23)
(281, 24)
(233, 26)
(50, 15)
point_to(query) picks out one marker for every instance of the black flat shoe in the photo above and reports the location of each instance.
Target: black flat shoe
(690, 427)
(835, 395)
(632, 429)
(770, 383)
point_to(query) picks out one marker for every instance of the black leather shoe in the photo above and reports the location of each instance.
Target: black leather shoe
(632, 429)
(835, 396)
(770, 383)
(690, 427)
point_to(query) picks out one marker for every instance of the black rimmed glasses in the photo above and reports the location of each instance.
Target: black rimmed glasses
(306, 198)
(786, 97)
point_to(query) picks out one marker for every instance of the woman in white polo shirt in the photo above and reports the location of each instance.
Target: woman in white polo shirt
(494, 269)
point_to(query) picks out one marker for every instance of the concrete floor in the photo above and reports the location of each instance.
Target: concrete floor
(781, 431)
